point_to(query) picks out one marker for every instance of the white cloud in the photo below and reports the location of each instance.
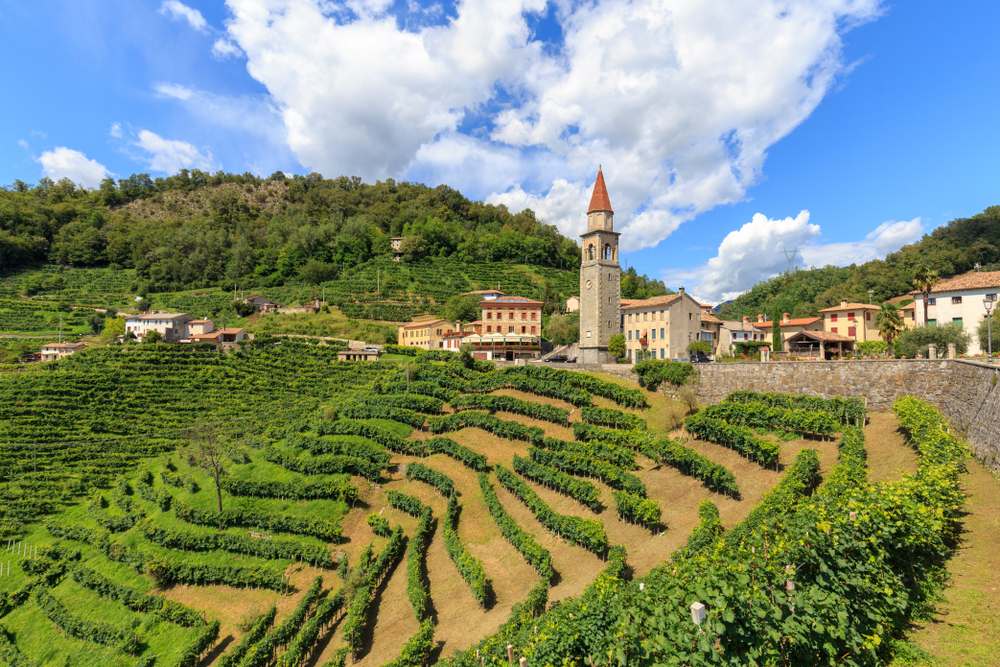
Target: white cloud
(679, 99)
(116, 131)
(23, 144)
(174, 91)
(65, 162)
(223, 48)
(180, 12)
(886, 238)
(765, 247)
(171, 155)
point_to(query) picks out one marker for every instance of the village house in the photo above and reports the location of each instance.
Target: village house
(854, 320)
(572, 304)
(261, 304)
(907, 307)
(512, 314)
(789, 326)
(818, 344)
(711, 328)
(172, 327)
(396, 245)
(732, 332)
(53, 351)
(960, 300)
(426, 332)
(222, 339)
(359, 351)
(660, 327)
(199, 327)
(484, 294)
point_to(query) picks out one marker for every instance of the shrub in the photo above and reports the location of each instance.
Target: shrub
(553, 478)
(469, 458)
(379, 525)
(258, 628)
(86, 630)
(494, 403)
(914, 342)
(652, 373)
(612, 418)
(438, 480)
(847, 410)
(760, 415)
(871, 348)
(637, 509)
(581, 463)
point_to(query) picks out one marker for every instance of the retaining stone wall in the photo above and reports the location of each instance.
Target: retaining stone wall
(967, 392)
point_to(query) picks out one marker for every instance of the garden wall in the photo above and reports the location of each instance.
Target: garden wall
(966, 391)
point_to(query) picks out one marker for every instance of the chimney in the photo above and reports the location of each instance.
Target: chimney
(843, 304)
(760, 317)
(680, 290)
(746, 320)
(784, 318)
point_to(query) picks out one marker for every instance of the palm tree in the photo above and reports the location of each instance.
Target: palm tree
(924, 281)
(889, 323)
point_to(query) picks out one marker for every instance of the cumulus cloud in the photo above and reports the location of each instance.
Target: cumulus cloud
(115, 131)
(62, 162)
(680, 99)
(180, 12)
(223, 48)
(765, 247)
(171, 155)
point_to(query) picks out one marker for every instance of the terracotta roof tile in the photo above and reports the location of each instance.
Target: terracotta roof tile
(662, 300)
(599, 199)
(825, 336)
(709, 317)
(793, 322)
(970, 280)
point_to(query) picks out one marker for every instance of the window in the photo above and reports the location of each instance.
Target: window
(852, 332)
(661, 333)
(956, 300)
(637, 334)
(868, 316)
(956, 320)
(510, 328)
(663, 353)
(609, 253)
(833, 329)
(524, 315)
(524, 329)
(590, 251)
(850, 316)
(489, 328)
(991, 297)
(510, 315)
(630, 334)
(931, 322)
(932, 301)
(534, 315)
(690, 316)
(489, 315)
(533, 328)
(654, 334)
(833, 317)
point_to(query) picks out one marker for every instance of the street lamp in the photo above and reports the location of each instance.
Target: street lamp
(988, 305)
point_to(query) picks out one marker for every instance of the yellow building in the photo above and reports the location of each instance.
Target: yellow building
(854, 320)
(427, 333)
(660, 327)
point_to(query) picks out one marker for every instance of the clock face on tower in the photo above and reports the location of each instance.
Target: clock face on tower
(589, 284)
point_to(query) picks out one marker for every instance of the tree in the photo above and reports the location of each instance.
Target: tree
(889, 322)
(699, 346)
(462, 308)
(563, 329)
(776, 340)
(152, 336)
(914, 342)
(984, 330)
(616, 347)
(923, 281)
(97, 323)
(209, 452)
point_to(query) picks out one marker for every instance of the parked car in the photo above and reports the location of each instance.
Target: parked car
(700, 358)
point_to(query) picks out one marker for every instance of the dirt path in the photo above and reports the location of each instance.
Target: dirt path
(889, 457)
(966, 629)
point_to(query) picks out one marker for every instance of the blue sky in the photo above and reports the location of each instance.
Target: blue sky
(731, 137)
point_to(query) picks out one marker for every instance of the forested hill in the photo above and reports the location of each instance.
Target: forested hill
(197, 229)
(951, 249)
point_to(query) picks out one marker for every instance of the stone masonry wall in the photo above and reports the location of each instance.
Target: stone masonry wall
(966, 392)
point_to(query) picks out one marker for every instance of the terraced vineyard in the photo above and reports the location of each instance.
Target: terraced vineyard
(375, 514)
(379, 289)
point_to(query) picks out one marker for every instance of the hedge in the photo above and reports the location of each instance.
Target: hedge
(168, 571)
(370, 577)
(534, 553)
(417, 583)
(247, 518)
(9, 653)
(734, 436)
(404, 502)
(347, 445)
(379, 525)
(638, 510)
(705, 534)
(585, 533)
(302, 647)
(440, 481)
(272, 548)
(757, 414)
(667, 452)
(469, 567)
(652, 373)
(380, 435)
(196, 649)
(262, 653)
(487, 422)
(83, 629)
(161, 607)
(586, 466)
(613, 418)
(467, 457)
(493, 403)
(379, 411)
(624, 396)
(606, 451)
(553, 478)
(337, 488)
(417, 649)
(846, 409)
(257, 630)
(327, 464)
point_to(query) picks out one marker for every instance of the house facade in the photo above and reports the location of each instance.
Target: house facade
(660, 327)
(427, 333)
(53, 351)
(853, 320)
(789, 326)
(511, 314)
(960, 300)
(737, 331)
(172, 327)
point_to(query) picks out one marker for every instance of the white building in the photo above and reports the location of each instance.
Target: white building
(172, 327)
(959, 300)
(53, 351)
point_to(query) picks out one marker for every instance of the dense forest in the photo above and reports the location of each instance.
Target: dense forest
(954, 248)
(196, 229)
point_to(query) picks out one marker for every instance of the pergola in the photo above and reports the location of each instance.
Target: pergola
(819, 344)
(503, 345)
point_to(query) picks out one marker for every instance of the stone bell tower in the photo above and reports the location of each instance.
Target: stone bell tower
(600, 278)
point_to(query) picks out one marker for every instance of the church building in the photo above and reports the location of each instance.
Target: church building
(600, 279)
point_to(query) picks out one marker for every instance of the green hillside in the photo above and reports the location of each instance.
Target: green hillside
(951, 249)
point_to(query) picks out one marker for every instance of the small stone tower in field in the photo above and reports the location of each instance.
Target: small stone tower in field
(600, 278)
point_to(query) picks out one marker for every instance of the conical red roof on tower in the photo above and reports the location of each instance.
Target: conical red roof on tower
(599, 200)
